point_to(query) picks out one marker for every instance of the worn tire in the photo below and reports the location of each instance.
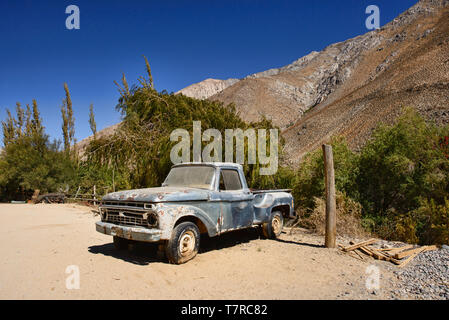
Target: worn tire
(273, 228)
(183, 244)
(120, 243)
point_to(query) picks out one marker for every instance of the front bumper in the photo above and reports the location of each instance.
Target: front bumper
(131, 233)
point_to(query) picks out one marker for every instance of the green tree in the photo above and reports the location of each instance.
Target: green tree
(68, 120)
(8, 128)
(92, 123)
(65, 127)
(140, 148)
(29, 161)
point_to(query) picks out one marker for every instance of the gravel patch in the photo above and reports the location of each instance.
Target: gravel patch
(425, 278)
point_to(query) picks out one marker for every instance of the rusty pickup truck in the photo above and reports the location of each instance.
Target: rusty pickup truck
(195, 199)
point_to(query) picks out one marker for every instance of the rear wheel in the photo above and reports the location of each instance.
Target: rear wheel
(184, 243)
(120, 243)
(273, 228)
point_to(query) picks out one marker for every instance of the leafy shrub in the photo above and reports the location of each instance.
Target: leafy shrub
(431, 222)
(403, 179)
(400, 178)
(309, 179)
(25, 166)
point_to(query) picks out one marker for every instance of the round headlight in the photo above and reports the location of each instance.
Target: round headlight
(152, 220)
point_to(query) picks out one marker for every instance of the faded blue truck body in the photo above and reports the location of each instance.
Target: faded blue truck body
(150, 215)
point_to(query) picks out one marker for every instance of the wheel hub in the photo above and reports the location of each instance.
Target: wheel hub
(276, 225)
(187, 243)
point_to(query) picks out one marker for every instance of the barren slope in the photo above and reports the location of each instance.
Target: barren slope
(206, 88)
(410, 67)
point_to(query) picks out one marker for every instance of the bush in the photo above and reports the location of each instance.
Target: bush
(24, 168)
(403, 179)
(308, 183)
(400, 178)
(429, 224)
(348, 216)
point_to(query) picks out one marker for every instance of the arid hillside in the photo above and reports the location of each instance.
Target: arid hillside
(349, 87)
(207, 88)
(408, 67)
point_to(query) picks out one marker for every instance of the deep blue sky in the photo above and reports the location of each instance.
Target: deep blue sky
(185, 41)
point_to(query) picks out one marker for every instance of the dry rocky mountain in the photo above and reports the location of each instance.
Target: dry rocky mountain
(350, 87)
(406, 63)
(207, 88)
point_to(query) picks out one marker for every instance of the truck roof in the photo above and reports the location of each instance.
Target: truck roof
(210, 164)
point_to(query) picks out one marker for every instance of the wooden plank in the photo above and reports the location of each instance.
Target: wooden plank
(431, 248)
(407, 261)
(360, 244)
(357, 253)
(359, 256)
(395, 261)
(379, 255)
(365, 251)
(376, 254)
(407, 253)
(395, 250)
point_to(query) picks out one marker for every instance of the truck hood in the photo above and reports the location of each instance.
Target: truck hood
(162, 194)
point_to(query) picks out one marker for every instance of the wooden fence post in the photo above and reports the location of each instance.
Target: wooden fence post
(331, 206)
(77, 191)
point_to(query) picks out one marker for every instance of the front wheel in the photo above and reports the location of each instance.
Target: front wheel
(184, 243)
(273, 228)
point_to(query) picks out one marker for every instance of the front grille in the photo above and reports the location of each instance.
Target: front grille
(128, 216)
(115, 217)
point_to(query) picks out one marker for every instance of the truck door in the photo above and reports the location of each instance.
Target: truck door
(237, 210)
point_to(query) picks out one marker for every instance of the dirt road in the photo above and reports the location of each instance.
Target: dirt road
(39, 242)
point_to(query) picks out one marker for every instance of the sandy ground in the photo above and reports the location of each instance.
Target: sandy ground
(39, 242)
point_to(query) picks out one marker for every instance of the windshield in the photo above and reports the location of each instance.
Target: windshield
(200, 177)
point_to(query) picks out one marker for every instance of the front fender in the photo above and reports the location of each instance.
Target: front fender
(169, 214)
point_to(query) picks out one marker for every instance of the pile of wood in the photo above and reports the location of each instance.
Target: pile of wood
(400, 256)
